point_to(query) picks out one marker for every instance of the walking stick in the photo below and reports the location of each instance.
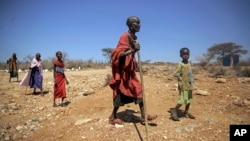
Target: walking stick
(144, 97)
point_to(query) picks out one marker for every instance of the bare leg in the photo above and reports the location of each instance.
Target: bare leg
(113, 114)
(113, 118)
(187, 114)
(54, 103)
(187, 107)
(42, 92)
(141, 105)
(178, 106)
(62, 102)
(149, 117)
(34, 91)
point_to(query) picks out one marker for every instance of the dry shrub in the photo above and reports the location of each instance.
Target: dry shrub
(245, 72)
(237, 71)
(230, 72)
(244, 63)
(196, 69)
(242, 71)
(216, 71)
(108, 77)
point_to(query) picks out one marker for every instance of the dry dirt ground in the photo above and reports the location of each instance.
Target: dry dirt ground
(29, 117)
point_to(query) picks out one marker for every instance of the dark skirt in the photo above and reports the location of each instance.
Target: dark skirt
(121, 99)
(35, 78)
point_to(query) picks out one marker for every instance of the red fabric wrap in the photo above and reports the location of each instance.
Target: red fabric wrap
(59, 89)
(123, 75)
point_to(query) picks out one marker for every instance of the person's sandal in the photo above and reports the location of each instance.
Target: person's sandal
(114, 121)
(150, 118)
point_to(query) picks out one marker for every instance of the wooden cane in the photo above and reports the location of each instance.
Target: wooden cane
(144, 97)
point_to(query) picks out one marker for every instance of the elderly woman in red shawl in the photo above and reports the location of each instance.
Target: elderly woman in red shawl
(124, 83)
(59, 79)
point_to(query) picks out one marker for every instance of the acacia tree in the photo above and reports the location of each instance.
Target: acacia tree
(107, 52)
(228, 48)
(27, 59)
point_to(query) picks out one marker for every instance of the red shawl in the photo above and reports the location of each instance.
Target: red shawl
(123, 75)
(59, 89)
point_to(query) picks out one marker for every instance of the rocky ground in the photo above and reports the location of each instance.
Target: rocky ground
(217, 103)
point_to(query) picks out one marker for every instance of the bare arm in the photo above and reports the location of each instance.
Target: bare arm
(125, 53)
(54, 69)
(67, 82)
(135, 48)
(177, 72)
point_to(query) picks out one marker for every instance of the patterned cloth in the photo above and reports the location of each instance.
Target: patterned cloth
(185, 83)
(59, 88)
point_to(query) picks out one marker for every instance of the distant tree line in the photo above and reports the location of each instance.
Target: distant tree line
(48, 63)
(216, 51)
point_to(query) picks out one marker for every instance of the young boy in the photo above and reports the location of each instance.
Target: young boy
(185, 84)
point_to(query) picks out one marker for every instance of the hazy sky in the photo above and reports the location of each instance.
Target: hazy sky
(83, 27)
